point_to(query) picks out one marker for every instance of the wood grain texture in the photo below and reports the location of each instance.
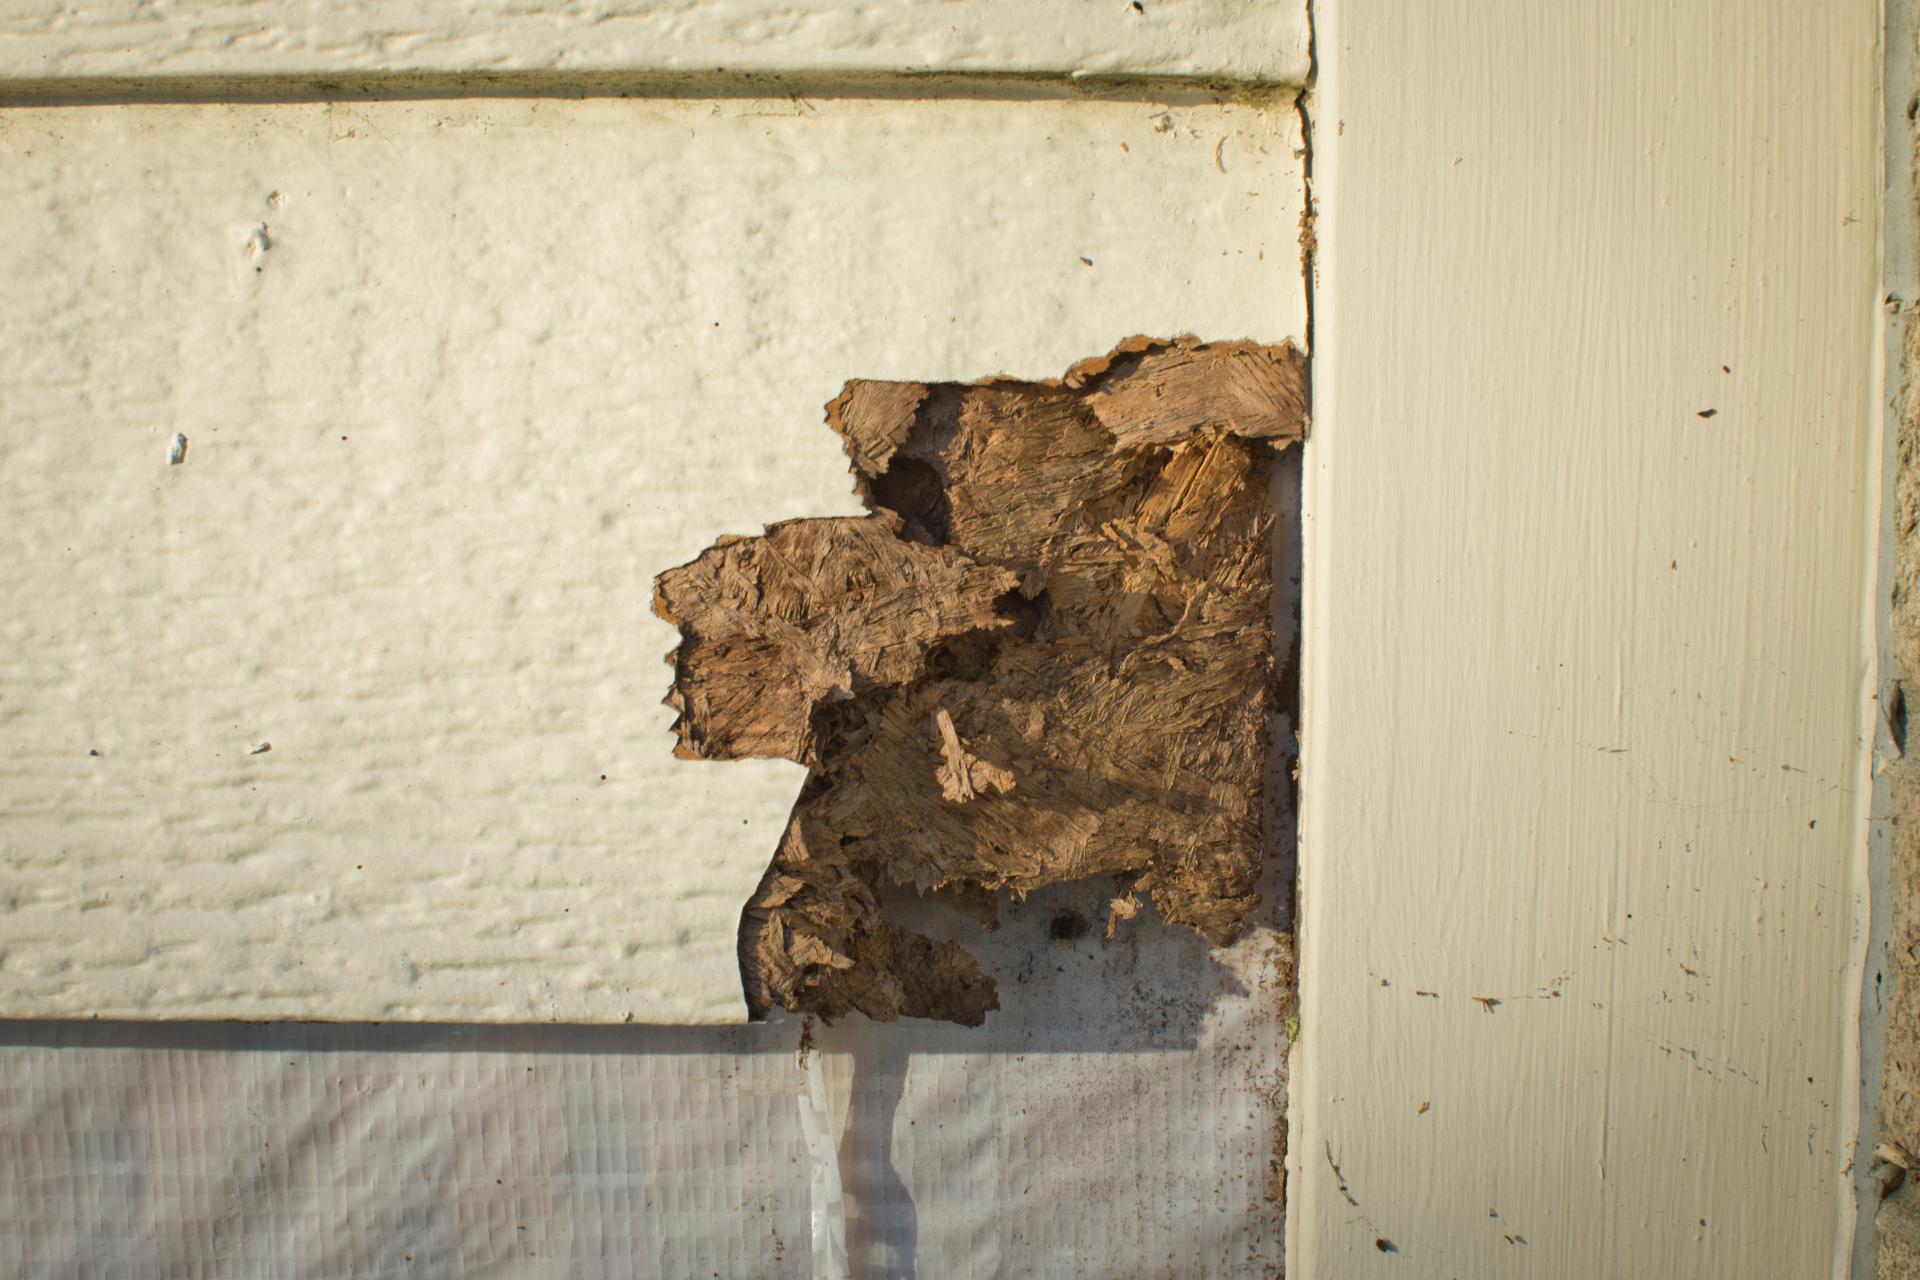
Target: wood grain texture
(1591, 504)
(49, 41)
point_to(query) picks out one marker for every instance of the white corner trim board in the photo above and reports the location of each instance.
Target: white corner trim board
(1591, 505)
(340, 445)
(1241, 40)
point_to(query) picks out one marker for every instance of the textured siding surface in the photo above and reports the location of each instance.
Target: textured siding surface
(448, 384)
(51, 40)
(1591, 514)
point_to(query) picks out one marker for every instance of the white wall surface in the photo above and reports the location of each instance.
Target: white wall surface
(1591, 500)
(53, 40)
(457, 379)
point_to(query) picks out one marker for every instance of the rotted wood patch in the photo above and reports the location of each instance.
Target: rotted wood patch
(1046, 655)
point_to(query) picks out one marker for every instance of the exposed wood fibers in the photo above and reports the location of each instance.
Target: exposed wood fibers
(1045, 656)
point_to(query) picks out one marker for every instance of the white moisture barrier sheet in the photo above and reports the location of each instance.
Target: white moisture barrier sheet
(1118, 1117)
(339, 445)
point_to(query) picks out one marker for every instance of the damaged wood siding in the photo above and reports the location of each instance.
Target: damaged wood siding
(1046, 655)
(459, 379)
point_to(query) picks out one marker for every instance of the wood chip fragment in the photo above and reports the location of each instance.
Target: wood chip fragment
(963, 776)
(874, 419)
(1164, 392)
(815, 612)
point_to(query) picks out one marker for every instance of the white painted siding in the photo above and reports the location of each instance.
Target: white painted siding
(51, 40)
(456, 381)
(1590, 511)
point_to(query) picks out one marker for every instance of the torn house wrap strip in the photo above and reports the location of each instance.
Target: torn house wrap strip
(1045, 656)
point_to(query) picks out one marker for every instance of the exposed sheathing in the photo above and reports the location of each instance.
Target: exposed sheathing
(1046, 655)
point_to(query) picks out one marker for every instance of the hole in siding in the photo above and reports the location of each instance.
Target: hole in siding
(1046, 655)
